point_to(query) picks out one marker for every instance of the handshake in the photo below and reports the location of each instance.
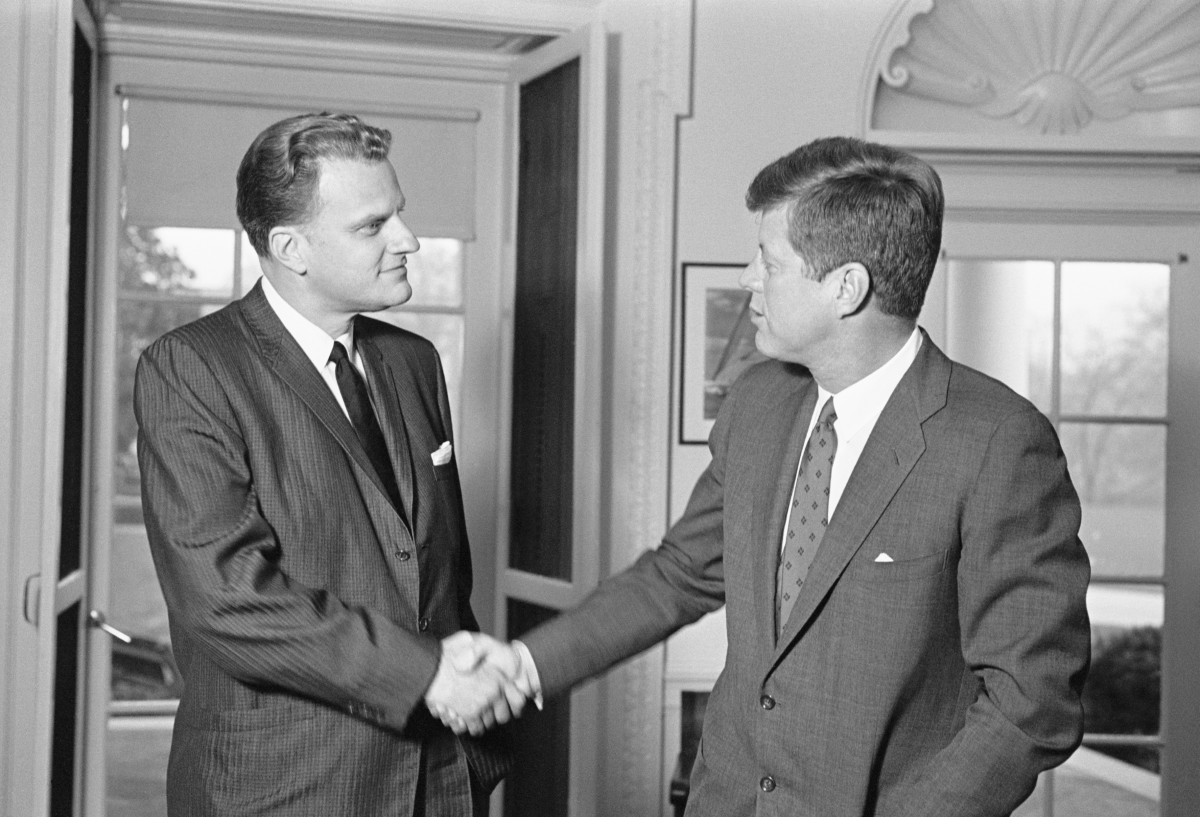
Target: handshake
(481, 682)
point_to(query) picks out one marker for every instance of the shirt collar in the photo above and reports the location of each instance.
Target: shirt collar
(314, 341)
(861, 403)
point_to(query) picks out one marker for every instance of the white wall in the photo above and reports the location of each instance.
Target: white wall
(769, 76)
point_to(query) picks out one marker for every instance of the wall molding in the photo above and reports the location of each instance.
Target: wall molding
(656, 45)
(253, 49)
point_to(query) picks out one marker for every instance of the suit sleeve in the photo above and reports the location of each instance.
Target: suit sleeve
(217, 559)
(1023, 578)
(665, 589)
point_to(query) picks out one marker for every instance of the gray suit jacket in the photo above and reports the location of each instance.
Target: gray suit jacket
(940, 683)
(305, 611)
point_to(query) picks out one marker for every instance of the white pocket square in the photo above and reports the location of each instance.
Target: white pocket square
(443, 454)
(883, 557)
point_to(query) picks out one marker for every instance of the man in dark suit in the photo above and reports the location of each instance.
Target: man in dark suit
(305, 515)
(894, 535)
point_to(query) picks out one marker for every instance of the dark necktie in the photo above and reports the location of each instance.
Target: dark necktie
(809, 514)
(362, 417)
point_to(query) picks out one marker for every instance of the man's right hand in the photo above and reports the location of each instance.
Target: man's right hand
(479, 682)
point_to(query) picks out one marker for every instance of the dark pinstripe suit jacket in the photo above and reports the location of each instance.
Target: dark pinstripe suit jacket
(305, 611)
(935, 685)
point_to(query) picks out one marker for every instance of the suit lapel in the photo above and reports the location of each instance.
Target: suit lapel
(787, 420)
(892, 449)
(285, 357)
(393, 419)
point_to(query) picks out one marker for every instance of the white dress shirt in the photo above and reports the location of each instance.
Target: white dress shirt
(315, 341)
(858, 407)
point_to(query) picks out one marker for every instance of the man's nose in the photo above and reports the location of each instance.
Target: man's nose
(749, 279)
(401, 239)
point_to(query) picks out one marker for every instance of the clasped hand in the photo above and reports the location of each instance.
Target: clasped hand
(479, 683)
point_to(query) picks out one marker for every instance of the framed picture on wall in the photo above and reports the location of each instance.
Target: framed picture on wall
(717, 344)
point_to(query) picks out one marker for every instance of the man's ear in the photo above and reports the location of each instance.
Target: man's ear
(287, 246)
(853, 288)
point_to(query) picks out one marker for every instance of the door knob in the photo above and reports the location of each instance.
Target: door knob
(98, 621)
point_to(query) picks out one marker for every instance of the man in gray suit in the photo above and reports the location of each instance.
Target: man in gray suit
(894, 535)
(305, 516)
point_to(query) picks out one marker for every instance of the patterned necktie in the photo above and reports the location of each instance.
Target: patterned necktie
(362, 417)
(809, 514)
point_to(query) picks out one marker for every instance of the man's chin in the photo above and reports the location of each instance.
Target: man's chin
(399, 296)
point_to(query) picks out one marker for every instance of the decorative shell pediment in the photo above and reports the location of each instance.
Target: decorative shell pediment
(1047, 66)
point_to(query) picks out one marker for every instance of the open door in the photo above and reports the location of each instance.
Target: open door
(549, 537)
(41, 665)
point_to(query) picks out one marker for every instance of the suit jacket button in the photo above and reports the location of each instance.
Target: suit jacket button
(403, 555)
(423, 624)
(767, 783)
(767, 702)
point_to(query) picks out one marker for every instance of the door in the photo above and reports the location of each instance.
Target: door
(70, 615)
(1095, 323)
(550, 521)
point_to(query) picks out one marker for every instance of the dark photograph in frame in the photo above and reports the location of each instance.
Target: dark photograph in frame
(717, 343)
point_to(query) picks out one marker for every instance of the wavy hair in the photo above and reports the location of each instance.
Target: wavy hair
(850, 200)
(278, 177)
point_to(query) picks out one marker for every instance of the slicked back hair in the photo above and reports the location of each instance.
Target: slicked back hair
(278, 178)
(850, 200)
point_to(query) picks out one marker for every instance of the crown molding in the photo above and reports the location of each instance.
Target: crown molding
(1179, 152)
(257, 49)
(470, 24)
(445, 39)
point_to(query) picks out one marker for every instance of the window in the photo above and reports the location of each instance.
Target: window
(167, 277)
(1087, 342)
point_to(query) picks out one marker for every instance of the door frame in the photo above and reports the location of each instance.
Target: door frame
(151, 72)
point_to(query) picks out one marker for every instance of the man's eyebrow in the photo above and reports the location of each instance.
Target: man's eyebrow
(371, 218)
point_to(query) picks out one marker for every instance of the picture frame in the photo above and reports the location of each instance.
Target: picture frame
(716, 343)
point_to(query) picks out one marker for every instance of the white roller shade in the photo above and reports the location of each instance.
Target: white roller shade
(182, 157)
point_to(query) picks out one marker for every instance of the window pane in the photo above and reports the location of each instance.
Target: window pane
(143, 670)
(1122, 697)
(446, 333)
(139, 323)
(177, 260)
(436, 273)
(1114, 338)
(137, 749)
(1001, 321)
(1124, 687)
(1091, 784)
(1119, 471)
(250, 270)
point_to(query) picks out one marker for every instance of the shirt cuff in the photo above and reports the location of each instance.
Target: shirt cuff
(531, 673)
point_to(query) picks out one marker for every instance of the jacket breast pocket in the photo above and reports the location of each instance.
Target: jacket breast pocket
(898, 570)
(443, 472)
